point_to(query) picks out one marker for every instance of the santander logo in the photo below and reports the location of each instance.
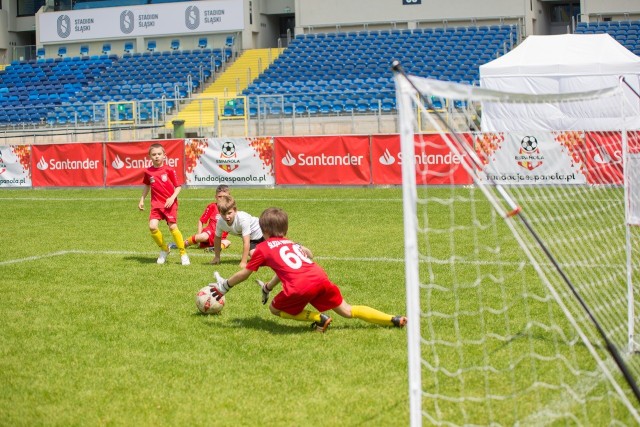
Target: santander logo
(42, 164)
(386, 158)
(603, 157)
(117, 163)
(288, 160)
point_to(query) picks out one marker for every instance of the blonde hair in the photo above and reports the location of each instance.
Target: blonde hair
(226, 203)
(156, 146)
(274, 222)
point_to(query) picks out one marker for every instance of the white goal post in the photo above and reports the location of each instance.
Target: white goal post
(522, 256)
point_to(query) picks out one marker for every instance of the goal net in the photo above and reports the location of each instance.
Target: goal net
(521, 246)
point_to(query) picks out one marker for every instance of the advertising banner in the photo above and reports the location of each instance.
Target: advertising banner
(601, 157)
(541, 157)
(230, 161)
(141, 21)
(327, 160)
(15, 166)
(67, 165)
(435, 163)
(125, 162)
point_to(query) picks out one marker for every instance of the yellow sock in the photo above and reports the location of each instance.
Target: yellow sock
(303, 316)
(177, 237)
(157, 237)
(371, 315)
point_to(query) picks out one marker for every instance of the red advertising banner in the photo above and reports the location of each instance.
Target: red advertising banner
(601, 157)
(67, 165)
(330, 160)
(125, 162)
(435, 163)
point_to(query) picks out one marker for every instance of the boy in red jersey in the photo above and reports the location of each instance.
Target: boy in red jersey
(303, 281)
(207, 225)
(162, 180)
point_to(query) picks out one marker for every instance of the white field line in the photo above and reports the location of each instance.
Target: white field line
(234, 256)
(196, 199)
(191, 254)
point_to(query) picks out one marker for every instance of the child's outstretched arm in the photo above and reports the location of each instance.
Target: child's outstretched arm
(246, 245)
(145, 191)
(222, 285)
(217, 247)
(266, 288)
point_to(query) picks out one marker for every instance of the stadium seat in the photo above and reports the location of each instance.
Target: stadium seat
(202, 43)
(84, 50)
(62, 51)
(229, 41)
(128, 47)
(151, 45)
(175, 44)
(40, 53)
(106, 48)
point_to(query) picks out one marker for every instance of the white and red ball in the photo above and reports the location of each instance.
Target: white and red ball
(207, 303)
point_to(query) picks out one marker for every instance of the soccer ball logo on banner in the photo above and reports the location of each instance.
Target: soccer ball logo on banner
(529, 153)
(227, 153)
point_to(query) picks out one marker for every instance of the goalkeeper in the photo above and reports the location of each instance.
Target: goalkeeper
(303, 281)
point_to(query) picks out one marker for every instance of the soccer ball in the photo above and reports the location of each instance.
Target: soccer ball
(228, 148)
(529, 143)
(206, 302)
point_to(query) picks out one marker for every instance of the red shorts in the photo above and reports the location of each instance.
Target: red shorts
(211, 232)
(324, 296)
(170, 215)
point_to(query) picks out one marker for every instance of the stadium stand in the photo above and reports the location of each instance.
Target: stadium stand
(75, 89)
(350, 72)
(625, 32)
(227, 86)
(332, 73)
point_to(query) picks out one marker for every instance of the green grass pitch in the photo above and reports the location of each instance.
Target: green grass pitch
(94, 332)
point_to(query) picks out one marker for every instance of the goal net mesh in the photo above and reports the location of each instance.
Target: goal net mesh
(509, 225)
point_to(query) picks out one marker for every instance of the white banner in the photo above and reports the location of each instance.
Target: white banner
(541, 157)
(230, 161)
(632, 183)
(213, 16)
(15, 165)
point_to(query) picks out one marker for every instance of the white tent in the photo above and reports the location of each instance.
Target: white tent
(562, 64)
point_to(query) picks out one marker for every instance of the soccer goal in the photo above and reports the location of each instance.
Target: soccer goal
(522, 253)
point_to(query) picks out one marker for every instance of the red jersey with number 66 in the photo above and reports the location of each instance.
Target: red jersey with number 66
(296, 271)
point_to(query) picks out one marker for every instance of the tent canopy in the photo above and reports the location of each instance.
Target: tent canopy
(564, 55)
(556, 65)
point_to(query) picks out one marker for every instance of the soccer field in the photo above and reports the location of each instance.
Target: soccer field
(95, 332)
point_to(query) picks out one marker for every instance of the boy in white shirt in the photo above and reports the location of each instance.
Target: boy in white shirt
(238, 223)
